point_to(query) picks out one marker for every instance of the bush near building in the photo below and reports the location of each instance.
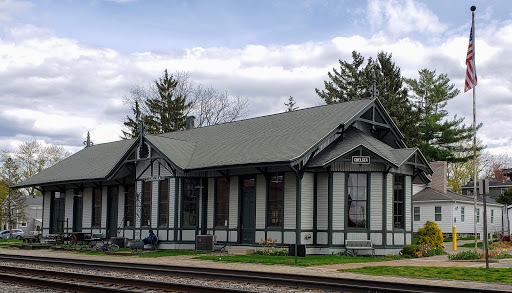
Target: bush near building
(430, 235)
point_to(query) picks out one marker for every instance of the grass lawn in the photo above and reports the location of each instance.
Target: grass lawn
(494, 275)
(309, 260)
(478, 244)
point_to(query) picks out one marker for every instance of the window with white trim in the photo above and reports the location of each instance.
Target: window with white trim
(417, 216)
(438, 214)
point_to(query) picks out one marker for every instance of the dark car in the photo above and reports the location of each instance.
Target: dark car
(16, 233)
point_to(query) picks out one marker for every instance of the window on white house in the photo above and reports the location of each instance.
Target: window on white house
(24, 224)
(437, 213)
(492, 216)
(462, 214)
(417, 216)
(478, 215)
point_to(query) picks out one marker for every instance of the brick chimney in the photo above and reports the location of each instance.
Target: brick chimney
(189, 122)
(439, 181)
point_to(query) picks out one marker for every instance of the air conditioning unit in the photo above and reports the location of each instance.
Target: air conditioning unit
(205, 242)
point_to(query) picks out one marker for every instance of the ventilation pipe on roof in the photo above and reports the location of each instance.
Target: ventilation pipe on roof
(189, 122)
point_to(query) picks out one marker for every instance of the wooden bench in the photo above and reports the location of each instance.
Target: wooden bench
(359, 245)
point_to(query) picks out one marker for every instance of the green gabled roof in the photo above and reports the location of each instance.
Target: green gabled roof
(284, 138)
(94, 162)
(354, 138)
(278, 138)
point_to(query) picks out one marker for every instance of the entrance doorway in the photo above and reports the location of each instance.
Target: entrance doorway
(248, 217)
(57, 213)
(78, 203)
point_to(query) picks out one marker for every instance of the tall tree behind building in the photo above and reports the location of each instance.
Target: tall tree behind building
(352, 82)
(440, 138)
(180, 97)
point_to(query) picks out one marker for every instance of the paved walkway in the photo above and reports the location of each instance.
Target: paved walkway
(326, 270)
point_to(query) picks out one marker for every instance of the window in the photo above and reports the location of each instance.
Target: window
(357, 195)
(163, 207)
(492, 216)
(146, 204)
(437, 213)
(417, 217)
(129, 206)
(24, 224)
(96, 207)
(191, 189)
(221, 202)
(398, 202)
(275, 201)
(462, 214)
(478, 215)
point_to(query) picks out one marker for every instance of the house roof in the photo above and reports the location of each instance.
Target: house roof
(284, 138)
(278, 138)
(429, 194)
(501, 183)
(355, 138)
(94, 162)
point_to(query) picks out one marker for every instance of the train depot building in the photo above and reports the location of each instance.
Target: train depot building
(318, 176)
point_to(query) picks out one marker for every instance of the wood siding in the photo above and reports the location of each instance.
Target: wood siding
(261, 202)
(307, 188)
(338, 201)
(289, 201)
(322, 209)
(233, 203)
(376, 197)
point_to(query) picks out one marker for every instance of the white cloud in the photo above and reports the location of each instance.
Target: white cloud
(10, 7)
(56, 89)
(397, 18)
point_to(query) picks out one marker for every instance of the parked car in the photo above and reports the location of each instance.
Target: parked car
(16, 233)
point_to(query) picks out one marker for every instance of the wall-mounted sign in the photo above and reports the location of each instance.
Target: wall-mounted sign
(154, 178)
(360, 159)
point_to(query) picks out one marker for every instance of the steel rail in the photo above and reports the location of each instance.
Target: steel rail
(305, 281)
(97, 283)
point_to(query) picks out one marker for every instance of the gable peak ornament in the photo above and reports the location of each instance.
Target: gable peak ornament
(374, 92)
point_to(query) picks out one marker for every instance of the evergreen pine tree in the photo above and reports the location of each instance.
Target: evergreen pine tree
(440, 139)
(352, 82)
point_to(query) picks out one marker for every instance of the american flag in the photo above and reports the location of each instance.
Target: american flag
(470, 61)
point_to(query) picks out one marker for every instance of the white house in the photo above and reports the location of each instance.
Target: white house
(448, 209)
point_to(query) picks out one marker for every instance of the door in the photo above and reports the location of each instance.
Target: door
(77, 213)
(112, 201)
(248, 217)
(57, 213)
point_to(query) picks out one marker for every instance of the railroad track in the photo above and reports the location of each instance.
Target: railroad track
(270, 278)
(77, 282)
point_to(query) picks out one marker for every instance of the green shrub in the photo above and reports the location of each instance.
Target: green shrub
(464, 255)
(427, 251)
(430, 235)
(410, 250)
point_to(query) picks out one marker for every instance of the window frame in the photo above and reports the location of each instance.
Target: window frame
(145, 205)
(365, 224)
(462, 214)
(440, 214)
(97, 207)
(418, 213)
(129, 220)
(279, 201)
(401, 204)
(478, 215)
(224, 202)
(163, 204)
(492, 216)
(195, 202)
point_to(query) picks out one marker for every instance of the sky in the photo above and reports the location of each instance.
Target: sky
(67, 66)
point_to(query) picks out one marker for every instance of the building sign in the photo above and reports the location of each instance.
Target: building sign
(154, 178)
(360, 159)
